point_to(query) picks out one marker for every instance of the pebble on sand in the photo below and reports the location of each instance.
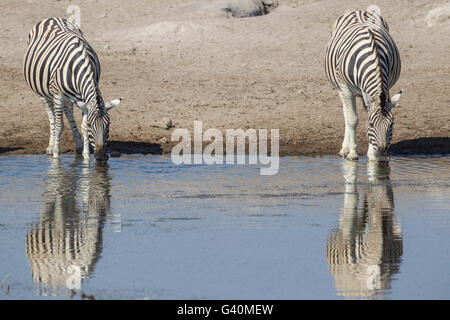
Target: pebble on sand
(166, 123)
(438, 15)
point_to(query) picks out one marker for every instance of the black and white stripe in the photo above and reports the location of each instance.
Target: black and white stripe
(63, 68)
(362, 60)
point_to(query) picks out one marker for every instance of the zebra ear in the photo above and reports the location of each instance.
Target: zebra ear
(82, 106)
(395, 99)
(114, 103)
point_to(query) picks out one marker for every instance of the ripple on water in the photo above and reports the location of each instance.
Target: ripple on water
(347, 218)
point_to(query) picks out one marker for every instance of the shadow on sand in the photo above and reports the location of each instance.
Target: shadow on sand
(5, 150)
(421, 146)
(132, 147)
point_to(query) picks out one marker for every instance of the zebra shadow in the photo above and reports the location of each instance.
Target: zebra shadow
(64, 246)
(436, 145)
(133, 147)
(5, 150)
(364, 251)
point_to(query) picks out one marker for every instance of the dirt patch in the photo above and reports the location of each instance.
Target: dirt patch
(186, 61)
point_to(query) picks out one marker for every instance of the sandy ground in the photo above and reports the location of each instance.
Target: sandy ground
(186, 60)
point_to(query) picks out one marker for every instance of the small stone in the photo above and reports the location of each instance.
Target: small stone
(438, 15)
(166, 123)
(115, 154)
(163, 140)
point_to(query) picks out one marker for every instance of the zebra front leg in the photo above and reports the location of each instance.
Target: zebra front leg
(68, 110)
(371, 153)
(51, 118)
(349, 147)
(59, 124)
(84, 131)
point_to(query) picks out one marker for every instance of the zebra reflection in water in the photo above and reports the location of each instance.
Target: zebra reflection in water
(68, 238)
(365, 251)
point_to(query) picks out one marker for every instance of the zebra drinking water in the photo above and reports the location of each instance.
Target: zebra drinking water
(64, 69)
(362, 59)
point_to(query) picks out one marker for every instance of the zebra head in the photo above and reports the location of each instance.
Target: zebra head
(98, 126)
(380, 124)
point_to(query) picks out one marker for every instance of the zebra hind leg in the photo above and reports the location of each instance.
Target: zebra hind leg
(349, 146)
(345, 149)
(51, 117)
(58, 103)
(68, 110)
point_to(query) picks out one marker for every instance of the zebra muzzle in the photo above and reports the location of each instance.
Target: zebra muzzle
(100, 153)
(383, 159)
(383, 155)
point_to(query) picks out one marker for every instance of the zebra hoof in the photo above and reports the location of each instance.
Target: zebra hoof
(343, 152)
(49, 151)
(352, 156)
(79, 150)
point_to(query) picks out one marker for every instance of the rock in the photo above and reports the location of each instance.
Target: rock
(249, 8)
(163, 140)
(438, 15)
(115, 154)
(166, 123)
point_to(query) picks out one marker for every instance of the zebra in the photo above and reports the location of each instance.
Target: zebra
(362, 59)
(61, 67)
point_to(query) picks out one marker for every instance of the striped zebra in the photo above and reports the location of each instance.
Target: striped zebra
(361, 59)
(64, 69)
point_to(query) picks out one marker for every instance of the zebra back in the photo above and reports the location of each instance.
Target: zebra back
(60, 60)
(362, 55)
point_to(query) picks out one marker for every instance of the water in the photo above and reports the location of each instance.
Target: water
(143, 228)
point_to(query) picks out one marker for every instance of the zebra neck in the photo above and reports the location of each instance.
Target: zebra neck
(94, 101)
(376, 101)
(96, 108)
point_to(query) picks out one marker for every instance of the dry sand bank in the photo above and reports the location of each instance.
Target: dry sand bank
(186, 60)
